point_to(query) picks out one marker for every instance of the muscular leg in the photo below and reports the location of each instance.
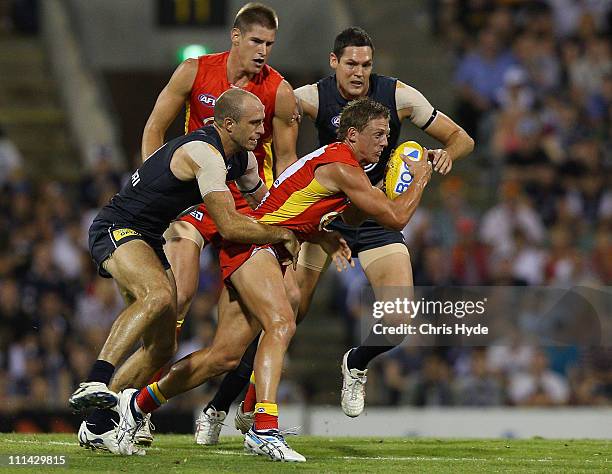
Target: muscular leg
(236, 380)
(235, 332)
(183, 248)
(390, 276)
(259, 283)
(139, 368)
(153, 301)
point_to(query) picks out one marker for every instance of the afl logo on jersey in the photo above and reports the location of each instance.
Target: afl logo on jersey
(207, 99)
(335, 121)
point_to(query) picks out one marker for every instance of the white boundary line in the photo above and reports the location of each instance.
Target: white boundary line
(344, 458)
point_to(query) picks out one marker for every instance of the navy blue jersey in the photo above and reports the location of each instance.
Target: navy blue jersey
(154, 196)
(331, 103)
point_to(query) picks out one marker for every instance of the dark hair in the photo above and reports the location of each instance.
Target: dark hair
(358, 113)
(352, 36)
(230, 104)
(255, 14)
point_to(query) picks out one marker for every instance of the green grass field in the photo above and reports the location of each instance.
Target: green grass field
(178, 453)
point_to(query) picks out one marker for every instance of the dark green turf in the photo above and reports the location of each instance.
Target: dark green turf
(178, 453)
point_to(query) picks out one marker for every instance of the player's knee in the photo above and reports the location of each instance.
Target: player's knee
(282, 329)
(159, 301)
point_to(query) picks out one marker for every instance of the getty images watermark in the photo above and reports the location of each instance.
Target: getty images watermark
(481, 316)
(409, 308)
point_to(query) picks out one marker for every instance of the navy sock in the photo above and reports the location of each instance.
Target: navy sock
(101, 371)
(101, 421)
(360, 357)
(136, 413)
(235, 381)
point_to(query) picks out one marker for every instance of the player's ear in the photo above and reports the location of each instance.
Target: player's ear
(235, 36)
(333, 61)
(228, 124)
(352, 134)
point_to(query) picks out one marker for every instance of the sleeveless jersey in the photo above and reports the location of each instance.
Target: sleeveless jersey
(210, 82)
(154, 196)
(298, 201)
(331, 103)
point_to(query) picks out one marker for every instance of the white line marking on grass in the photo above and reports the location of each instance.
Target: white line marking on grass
(30, 441)
(409, 458)
(231, 453)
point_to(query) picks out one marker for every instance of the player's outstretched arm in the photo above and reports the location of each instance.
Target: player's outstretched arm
(353, 182)
(203, 162)
(457, 143)
(168, 105)
(413, 105)
(284, 128)
(242, 229)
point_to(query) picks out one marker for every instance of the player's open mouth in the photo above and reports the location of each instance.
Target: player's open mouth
(356, 83)
(259, 61)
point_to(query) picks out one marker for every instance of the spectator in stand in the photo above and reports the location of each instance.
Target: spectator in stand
(480, 387)
(513, 212)
(469, 256)
(539, 385)
(433, 387)
(479, 78)
(10, 158)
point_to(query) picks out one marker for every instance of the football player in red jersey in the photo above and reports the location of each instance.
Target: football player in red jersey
(310, 189)
(196, 84)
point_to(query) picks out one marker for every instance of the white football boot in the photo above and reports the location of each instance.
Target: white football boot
(92, 395)
(243, 421)
(144, 436)
(130, 422)
(272, 444)
(352, 398)
(98, 442)
(208, 426)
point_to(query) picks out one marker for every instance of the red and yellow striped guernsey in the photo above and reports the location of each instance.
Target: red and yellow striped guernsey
(297, 200)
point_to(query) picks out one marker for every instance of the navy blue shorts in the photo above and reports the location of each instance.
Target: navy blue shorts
(105, 237)
(369, 235)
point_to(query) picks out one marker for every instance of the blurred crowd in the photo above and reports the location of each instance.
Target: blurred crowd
(534, 87)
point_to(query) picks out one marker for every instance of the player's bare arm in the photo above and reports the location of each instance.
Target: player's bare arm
(411, 104)
(372, 201)
(239, 228)
(308, 98)
(204, 163)
(284, 128)
(168, 105)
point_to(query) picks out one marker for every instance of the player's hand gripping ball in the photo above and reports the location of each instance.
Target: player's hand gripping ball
(398, 177)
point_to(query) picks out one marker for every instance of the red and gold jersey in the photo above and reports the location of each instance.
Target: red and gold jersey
(210, 82)
(297, 200)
